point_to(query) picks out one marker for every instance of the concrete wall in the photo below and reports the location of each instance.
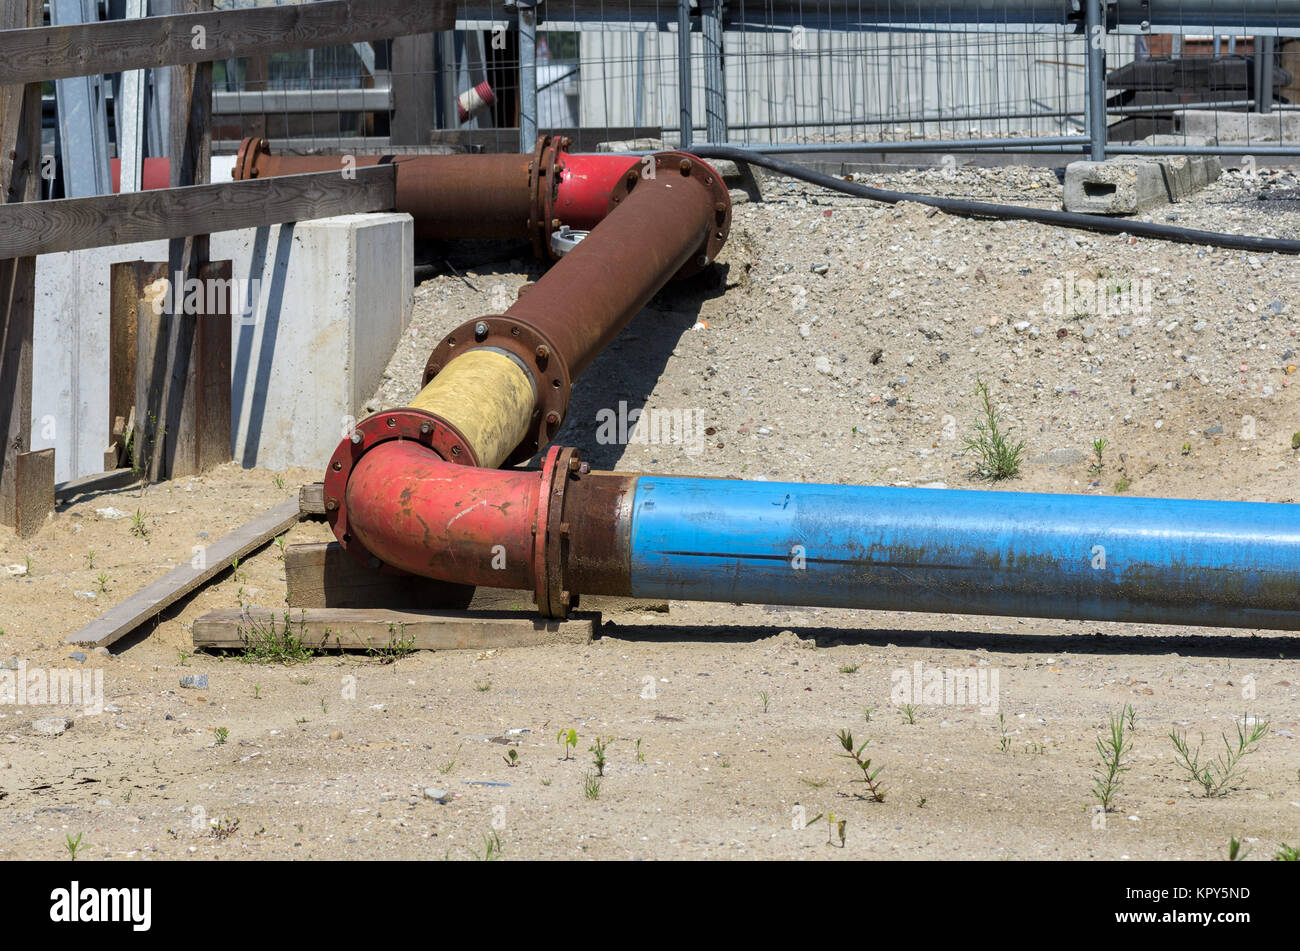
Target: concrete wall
(322, 320)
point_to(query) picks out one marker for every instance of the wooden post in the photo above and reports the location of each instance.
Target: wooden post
(20, 160)
(127, 283)
(198, 436)
(181, 422)
(414, 101)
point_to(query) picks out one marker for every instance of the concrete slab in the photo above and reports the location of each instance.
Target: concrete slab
(1241, 128)
(322, 320)
(70, 348)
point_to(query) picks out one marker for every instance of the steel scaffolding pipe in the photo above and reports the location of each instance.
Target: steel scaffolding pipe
(564, 531)
(476, 196)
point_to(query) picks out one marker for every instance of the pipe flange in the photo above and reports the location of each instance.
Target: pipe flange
(250, 150)
(543, 181)
(550, 534)
(534, 350)
(412, 424)
(685, 165)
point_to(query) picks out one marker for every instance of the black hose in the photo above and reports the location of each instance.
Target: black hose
(980, 209)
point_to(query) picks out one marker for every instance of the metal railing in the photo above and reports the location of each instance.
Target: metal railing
(1089, 77)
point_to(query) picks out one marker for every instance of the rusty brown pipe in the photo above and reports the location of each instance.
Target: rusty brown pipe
(449, 196)
(490, 196)
(667, 220)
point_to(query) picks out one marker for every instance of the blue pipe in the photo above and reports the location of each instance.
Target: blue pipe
(1167, 561)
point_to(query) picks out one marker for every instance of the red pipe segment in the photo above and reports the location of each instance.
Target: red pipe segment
(476, 196)
(556, 531)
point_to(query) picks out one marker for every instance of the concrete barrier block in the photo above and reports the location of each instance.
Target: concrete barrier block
(325, 302)
(1270, 128)
(1115, 187)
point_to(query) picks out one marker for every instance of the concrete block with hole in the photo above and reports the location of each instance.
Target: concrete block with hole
(1114, 187)
(1130, 184)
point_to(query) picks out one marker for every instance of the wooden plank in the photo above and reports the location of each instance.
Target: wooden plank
(111, 46)
(35, 491)
(155, 598)
(311, 499)
(415, 112)
(100, 482)
(127, 281)
(180, 336)
(20, 145)
(71, 224)
(505, 599)
(17, 309)
(323, 575)
(210, 379)
(356, 628)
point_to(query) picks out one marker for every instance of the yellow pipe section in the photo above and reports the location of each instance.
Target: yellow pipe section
(487, 397)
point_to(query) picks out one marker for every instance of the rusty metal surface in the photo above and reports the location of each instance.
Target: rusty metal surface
(598, 512)
(395, 504)
(441, 440)
(449, 196)
(475, 196)
(662, 225)
(668, 225)
(418, 513)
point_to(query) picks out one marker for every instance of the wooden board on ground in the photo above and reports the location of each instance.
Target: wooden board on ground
(360, 628)
(311, 499)
(323, 575)
(505, 599)
(181, 580)
(100, 482)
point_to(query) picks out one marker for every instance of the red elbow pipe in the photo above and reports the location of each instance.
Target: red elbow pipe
(586, 186)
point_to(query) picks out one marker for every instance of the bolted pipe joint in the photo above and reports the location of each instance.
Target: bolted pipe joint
(492, 196)
(552, 531)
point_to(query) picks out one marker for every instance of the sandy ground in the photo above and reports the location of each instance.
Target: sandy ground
(836, 341)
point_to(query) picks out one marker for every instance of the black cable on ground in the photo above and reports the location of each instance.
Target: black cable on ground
(979, 209)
